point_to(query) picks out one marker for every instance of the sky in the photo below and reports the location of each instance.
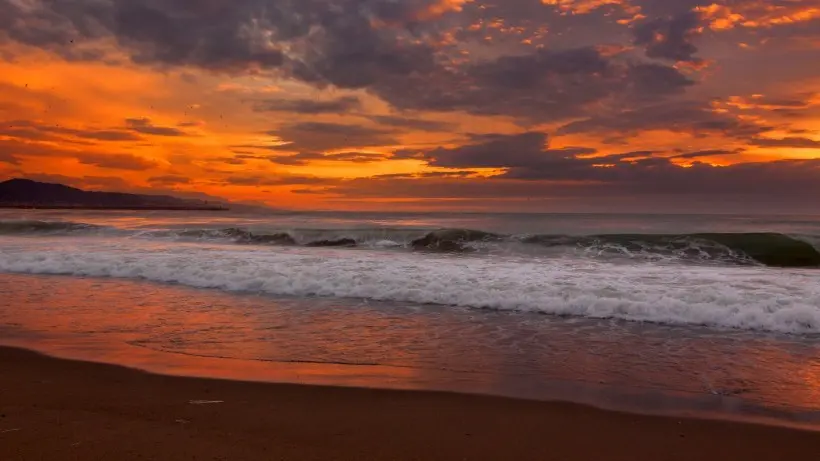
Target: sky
(446, 105)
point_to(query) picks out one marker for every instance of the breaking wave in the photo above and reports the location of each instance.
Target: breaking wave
(749, 298)
(770, 249)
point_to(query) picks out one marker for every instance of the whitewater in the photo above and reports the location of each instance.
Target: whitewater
(741, 297)
(731, 273)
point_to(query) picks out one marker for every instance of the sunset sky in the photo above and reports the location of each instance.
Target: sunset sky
(510, 105)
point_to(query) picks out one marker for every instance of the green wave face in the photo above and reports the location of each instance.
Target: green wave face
(775, 250)
(771, 249)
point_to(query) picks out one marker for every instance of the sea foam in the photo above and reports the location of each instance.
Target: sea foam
(753, 298)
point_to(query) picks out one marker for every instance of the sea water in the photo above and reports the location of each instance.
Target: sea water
(722, 310)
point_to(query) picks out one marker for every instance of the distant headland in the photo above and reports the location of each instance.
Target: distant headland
(26, 193)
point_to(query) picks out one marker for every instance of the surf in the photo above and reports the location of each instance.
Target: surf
(741, 297)
(762, 248)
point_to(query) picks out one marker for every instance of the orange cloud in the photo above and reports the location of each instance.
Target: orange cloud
(587, 6)
(758, 14)
(442, 7)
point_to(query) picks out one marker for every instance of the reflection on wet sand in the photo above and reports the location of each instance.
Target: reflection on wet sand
(622, 365)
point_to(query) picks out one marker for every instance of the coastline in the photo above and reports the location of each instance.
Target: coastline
(60, 409)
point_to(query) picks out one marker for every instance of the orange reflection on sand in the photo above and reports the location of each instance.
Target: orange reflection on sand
(811, 375)
(209, 333)
(115, 327)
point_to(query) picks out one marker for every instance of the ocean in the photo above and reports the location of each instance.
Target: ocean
(682, 314)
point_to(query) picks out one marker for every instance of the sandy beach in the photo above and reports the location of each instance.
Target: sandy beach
(53, 409)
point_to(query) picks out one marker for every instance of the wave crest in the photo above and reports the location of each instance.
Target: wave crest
(770, 249)
(732, 297)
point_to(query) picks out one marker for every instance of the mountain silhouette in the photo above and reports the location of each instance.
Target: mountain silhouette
(25, 193)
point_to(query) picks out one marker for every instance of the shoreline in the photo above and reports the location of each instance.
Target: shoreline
(59, 409)
(636, 401)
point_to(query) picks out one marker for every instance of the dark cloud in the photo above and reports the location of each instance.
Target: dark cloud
(305, 158)
(350, 50)
(670, 38)
(651, 81)
(8, 158)
(274, 180)
(248, 155)
(309, 106)
(527, 156)
(665, 8)
(705, 153)
(22, 132)
(543, 85)
(145, 126)
(690, 117)
(529, 71)
(115, 161)
(661, 176)
(795, 143)
(27, 129)
(14, 149)
(527, 150)
(323, 136)
(393, 49)
(300, 159)
(429, 174)
(573, 172)
(169, 180)
(532, 23)
(168, 32)
(104, 135)
(801, 34)
(656, 186)
(339, 42)
(210, 34)
(411, 123)
(238, 160)
(791, 102)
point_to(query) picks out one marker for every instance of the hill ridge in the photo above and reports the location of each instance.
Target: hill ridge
(28, 193)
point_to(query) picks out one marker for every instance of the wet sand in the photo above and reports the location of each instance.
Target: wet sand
(53, 409)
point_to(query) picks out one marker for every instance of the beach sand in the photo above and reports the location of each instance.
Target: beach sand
(53, 409)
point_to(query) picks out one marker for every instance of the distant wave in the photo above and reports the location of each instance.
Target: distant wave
(750, 298)
(36, 227)
(770, 249)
